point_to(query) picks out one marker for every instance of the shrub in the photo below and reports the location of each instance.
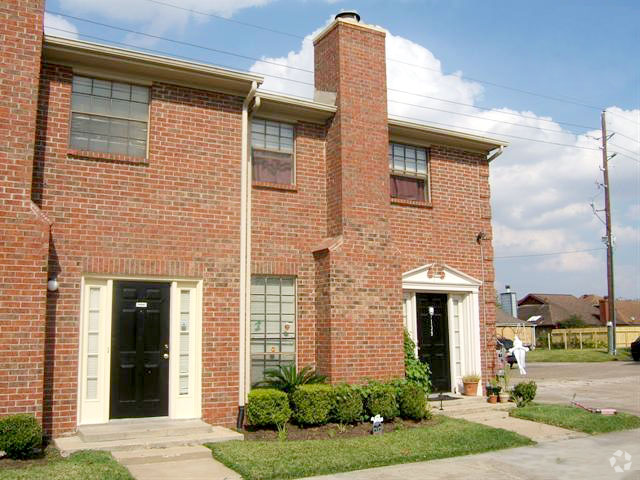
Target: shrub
(524, 393)
(287, 378)
(312, 404)
(414, 370)
(20, 435)
(412, 401)
(348, 407)
(381, 400)
(268, 407)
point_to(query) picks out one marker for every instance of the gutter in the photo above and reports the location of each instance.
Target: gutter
(245, 252)
(496, 154)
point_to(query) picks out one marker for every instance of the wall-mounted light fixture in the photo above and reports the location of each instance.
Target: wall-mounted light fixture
(52, 284)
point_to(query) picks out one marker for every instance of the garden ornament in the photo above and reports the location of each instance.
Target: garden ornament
(519, 351)
(377, 424)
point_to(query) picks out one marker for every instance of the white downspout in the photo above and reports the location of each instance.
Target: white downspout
(245, 255)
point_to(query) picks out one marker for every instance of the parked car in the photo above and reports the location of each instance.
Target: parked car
(503, 345)
(635, 349)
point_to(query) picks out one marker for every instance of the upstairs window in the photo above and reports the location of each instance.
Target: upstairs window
(109, 117)
(409, 174)
(272, 144)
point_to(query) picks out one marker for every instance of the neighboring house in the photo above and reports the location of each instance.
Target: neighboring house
(508, 326)
(627, 311)
(196, 231)
(556, 308)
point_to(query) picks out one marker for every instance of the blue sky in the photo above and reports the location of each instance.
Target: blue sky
(581, 50)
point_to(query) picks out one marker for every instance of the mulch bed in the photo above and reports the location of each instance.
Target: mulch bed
(48, 455)
(331, 430)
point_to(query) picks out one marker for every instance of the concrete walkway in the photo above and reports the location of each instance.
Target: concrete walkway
(582, 458)
(201, 468)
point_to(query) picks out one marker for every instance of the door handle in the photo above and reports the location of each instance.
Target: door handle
(165, 356)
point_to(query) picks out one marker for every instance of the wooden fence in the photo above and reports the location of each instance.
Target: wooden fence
(589, 337)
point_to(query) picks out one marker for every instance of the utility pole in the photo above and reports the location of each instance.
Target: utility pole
(607, 209)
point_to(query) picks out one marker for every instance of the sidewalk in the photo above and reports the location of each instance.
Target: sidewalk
(580, 458)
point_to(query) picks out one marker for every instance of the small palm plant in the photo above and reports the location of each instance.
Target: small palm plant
(286, 378)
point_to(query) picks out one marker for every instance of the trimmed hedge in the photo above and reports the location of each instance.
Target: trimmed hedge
(381, 400)
(268, 407)
(412, 401)
(524, 393)
(20, 435)
(348, 407)
(312, 404)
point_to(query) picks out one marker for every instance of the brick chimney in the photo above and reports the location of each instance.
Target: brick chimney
(359, 290)
(25, 231)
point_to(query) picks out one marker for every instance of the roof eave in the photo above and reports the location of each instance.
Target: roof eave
(295, 108)
(93, 56)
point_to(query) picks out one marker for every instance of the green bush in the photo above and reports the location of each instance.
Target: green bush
(312, 404)
(524, 393)
(348, 407)
(287, 378)
(268, 407)
(414, 370)
(412, 402)
(20, 435)
(381, 400)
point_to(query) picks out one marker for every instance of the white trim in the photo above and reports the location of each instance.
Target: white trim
(456, 285)
(180, 406)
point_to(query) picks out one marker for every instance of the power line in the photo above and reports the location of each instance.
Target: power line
(484, 118)
(627, 156)
(549, 254)
(499, 134)
(623, 117)
(492, 109)
(506, 87)
(627, 137)
(179, 42)
(625, 149)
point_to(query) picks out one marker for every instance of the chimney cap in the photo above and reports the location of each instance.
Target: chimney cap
(348, 14)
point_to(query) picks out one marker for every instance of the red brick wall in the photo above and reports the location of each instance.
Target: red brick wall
(24, 231)
(362, 324)
(446, 232)
(177, 215)
(287, 224)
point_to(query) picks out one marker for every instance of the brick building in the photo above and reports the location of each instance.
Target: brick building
(195, 230)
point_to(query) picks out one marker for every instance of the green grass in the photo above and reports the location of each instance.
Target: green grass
(541, 354)
(79, 466)
(259, 460)
(574, 418)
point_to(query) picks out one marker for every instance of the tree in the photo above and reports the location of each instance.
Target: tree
(574, 321)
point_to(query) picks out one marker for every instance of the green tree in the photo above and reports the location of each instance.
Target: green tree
(574, 321)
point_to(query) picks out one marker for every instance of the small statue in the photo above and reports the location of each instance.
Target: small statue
(377, 424)
(519, 351)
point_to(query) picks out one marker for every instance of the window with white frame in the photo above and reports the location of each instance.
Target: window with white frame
(273, 324)
(409, 172)
(109, 117)
(272, 148)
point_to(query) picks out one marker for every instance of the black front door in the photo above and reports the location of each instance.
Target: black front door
(433, 338)
(139, 345)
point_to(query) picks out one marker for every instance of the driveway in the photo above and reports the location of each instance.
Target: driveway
(598, 384)
(582, 458)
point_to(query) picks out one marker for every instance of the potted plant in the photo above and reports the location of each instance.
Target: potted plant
(504, 394)
(471, 384)
(492, 391)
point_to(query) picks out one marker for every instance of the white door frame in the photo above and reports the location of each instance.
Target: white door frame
(463, 316)
(94, 352)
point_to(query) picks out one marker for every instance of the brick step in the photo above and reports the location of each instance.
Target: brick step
(68, 445)
(126, 429)
(158, 455)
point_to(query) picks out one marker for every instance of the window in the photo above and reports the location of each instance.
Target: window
(109, 117)
(273, 324)
(409, 178)
(272, 144)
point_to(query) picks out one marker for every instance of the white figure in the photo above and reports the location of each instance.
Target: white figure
(519, 351)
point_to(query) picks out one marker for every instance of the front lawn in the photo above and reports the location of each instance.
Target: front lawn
(574, 418)
(576, 355)
(447, 437)
(79, 466)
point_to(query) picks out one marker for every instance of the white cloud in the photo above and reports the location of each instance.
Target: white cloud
(59, 27)
(155, 17)
(540, 192)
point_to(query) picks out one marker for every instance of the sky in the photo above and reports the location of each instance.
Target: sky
(536, 74)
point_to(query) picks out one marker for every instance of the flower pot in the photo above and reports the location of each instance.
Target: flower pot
(470, 388)
(504, 397)
(493, 398)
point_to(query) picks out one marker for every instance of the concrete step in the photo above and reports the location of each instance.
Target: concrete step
(68, 445)
(481, 416)
(157, 455)
(473, 408)
(125, 429)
